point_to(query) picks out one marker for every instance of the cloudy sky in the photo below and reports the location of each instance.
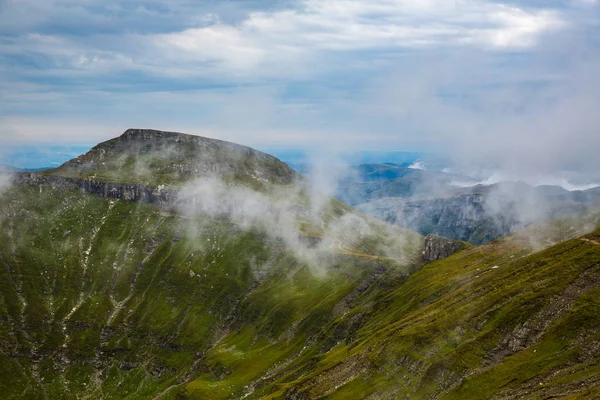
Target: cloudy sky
(507, 83)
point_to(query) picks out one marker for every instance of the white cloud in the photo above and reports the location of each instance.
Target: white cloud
(273, 43)
(517, 28)
(286, 38)
(219, 42)
(490, 82)
(418, 165)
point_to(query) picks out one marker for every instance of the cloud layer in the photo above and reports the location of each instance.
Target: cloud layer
(511, 84)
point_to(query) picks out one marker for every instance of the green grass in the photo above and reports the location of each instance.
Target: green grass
(433, 335)
(114, 299)
(125, 299)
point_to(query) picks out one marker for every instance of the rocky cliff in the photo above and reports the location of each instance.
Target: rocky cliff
(483, 213)
(437, 248)
(461, 218)
(132, 192)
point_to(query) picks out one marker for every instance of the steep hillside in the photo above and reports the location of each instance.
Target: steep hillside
(230, 290)
(102, 296)
(489, 322)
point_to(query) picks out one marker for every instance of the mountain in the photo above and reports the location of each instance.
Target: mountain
(368, 182)
(4, 168)
(210, 286)
(483, 213)
(154, 157)
(124, 269)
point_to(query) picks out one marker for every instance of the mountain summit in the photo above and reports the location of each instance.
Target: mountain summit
(154, 157)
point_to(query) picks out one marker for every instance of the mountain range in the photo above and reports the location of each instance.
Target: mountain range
(369, 182)
(161, 265)
(455, 205)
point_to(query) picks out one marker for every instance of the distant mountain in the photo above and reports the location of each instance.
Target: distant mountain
(10, 168)
(482, 213)
(368, 182)
(303, 157)
(40, 156)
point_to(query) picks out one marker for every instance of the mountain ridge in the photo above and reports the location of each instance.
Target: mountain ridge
(283, 296)
(482, 213)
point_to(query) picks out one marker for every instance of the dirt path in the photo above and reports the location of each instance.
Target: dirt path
(594, 242)
(349, 252)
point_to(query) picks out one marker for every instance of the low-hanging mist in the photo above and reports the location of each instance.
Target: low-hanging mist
(309, 222)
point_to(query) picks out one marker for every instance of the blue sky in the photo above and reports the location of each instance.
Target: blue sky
(511, 84)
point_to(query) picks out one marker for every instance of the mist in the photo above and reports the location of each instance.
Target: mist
(307, 220)
(210, 182)
(5, 181)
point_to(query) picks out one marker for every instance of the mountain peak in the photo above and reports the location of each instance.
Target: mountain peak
(150, 134)
(154, 157)
(168, 137)
(136, 134)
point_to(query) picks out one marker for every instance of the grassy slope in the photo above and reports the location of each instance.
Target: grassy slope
(139, 323)
(110, 298)
(462, 329)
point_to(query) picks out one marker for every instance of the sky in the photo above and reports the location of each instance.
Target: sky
(503, 85)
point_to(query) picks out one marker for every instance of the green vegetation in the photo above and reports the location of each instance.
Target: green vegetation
(121, 299)
(105, 298)
(125, 300)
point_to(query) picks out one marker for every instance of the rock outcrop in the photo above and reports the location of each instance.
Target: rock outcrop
(132, 192)
(438, 248)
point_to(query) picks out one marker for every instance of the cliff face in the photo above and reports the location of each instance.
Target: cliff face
(482, 217)
(437, 248)
(461, 218)
(132, 192)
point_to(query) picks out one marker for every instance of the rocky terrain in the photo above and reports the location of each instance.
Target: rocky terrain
(437, 248)
(480, 214)
(110, 289)
(151, 157)
(115, 190)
